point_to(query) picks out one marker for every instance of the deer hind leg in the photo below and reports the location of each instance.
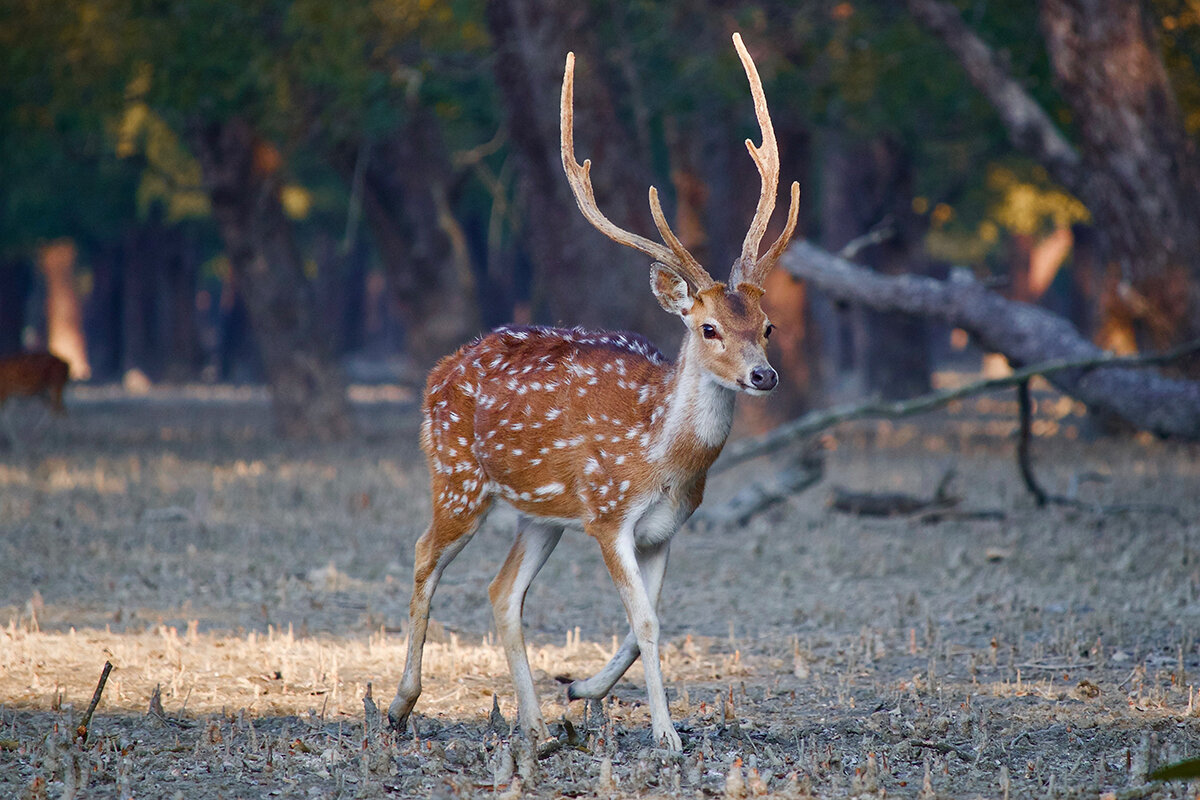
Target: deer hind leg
(534, 542)
(445, 538)
(652, 563)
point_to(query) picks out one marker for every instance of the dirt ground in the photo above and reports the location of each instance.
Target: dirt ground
(261, 588)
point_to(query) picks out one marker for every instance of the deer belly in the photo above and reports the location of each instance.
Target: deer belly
(659, 521)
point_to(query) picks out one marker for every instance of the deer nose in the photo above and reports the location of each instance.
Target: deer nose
(763, 378)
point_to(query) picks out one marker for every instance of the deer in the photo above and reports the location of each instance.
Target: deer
(34, 374)
(595, 430)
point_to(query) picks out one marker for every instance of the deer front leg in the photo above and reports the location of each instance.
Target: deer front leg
(620, 557)
(533, 545)
(652, 563)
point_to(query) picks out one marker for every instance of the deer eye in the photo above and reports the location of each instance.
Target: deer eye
(709, 331)
(769, 329)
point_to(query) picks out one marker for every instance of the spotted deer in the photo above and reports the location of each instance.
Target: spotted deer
(595, 430)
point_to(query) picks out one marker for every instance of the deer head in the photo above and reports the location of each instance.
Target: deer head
(725, 320)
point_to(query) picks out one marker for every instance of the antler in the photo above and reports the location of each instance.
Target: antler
(749, 267)
(674, 254)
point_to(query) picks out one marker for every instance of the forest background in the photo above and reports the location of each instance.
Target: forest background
(309, 194)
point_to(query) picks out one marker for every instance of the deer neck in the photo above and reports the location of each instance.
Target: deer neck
(697, 413)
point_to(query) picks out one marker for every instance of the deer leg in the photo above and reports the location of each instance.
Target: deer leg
(652, 563)
(620, 557)
(534, 542)
(445, 538)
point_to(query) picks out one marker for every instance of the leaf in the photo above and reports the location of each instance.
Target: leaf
(1179, 771)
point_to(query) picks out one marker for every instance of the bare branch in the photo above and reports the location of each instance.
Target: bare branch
(1029, 126)
(817, 421)
(81, 732)
(1024, 333)
(1024, 464)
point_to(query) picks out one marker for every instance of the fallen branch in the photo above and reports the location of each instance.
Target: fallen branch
(789, 480)
(156, 711)
(81, 732)
(944, 748)
(1025, 418)
(817, 421)
(1024, 333)
(891, 504)
(1040, 495)
(935, 515)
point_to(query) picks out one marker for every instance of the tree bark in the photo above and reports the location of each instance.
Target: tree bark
(16, 281)
(1142, 177)
(868, 184)
(583, 278)
(64, 315)
(1025, 334)
(405, 198)
(1133, 166)
(242, 177)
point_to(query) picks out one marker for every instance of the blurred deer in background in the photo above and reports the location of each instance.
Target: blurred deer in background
(595, 430)
(34, 375)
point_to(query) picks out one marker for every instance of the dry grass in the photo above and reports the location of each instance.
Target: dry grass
(262, 586)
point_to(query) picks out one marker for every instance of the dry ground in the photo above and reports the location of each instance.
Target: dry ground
(263, 587)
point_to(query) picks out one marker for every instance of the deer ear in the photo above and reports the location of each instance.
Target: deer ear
(671, 290)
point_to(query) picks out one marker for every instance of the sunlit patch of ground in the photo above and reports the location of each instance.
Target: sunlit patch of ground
(261, 586)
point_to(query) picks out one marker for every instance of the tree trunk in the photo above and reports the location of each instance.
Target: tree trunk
(869, 184)
(242, 177)
(139, 307)
(16, 280)
(1134, 166)
(582, 278)
(64, 316)
(1025, 334)
(405, 195)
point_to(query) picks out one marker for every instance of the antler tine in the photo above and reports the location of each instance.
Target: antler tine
(749, 267)
(686, 263)
(674, 254)
(766, 263)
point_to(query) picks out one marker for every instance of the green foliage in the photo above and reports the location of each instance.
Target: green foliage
(99, 96)
(1185, 770)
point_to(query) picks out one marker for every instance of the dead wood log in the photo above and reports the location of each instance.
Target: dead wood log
(1023, 333)
(893, 504)
(817, 421)
(804, 470)
(1024, 465)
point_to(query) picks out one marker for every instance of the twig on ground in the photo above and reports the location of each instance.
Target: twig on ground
(1029, 735)
(1024, 416)
(888, 504)
(943, 748)
(157, 711)
(81, 732)
(935, 515)
(1063, 666)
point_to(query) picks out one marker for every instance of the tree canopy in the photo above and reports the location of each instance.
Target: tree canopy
(399, 126)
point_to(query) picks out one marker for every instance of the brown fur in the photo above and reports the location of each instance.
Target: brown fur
(524, 409)
(34, 375)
